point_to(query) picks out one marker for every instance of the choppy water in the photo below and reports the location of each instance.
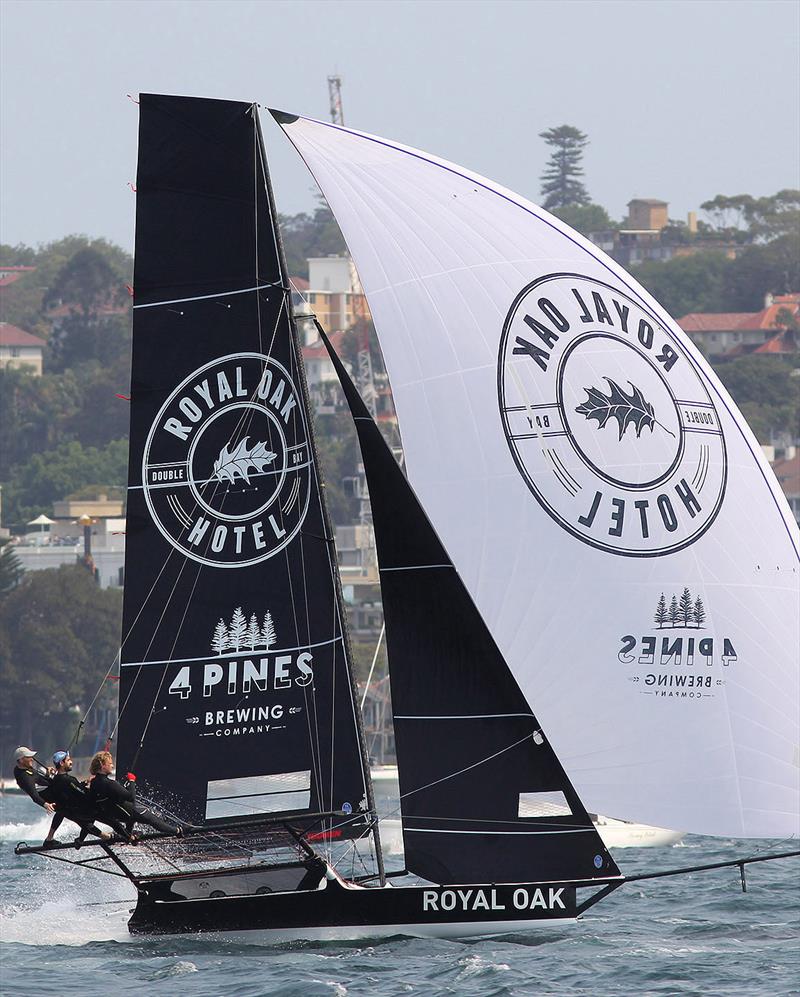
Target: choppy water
(63, 933)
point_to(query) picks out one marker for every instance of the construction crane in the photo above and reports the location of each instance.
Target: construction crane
(365, 377)
(335, 95)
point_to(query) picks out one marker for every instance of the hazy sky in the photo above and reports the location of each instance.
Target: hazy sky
(681, 100)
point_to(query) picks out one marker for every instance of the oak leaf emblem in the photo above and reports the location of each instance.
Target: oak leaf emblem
(628, 409)
(242, 462)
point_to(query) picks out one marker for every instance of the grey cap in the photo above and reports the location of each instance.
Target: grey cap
(23, 752)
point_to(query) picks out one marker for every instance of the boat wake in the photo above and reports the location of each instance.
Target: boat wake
(65, 922)
(50, 908)
(35, 831)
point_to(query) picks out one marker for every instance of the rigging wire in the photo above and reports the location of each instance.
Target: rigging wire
(372, 666)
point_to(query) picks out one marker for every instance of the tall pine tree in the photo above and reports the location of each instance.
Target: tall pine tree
(562, 179)
(685, 607)
(253, 632)
(219, 641)
(673, 612)
(661, 612)
(699, 612)
(268, 635)
(238, 628)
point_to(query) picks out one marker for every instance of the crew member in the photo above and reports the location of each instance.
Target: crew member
(114, 802)
(29, 774)
(72, 801)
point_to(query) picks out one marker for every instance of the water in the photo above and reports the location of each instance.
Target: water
(64, 932)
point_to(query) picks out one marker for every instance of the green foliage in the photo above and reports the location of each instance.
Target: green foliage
(59, 632)
(338, 451)
(687, 283)
(585, 218)
(757, 218)
(772, 267)
(80, 338)
(24, 301)
(765, 391)
(561, 180)
(307, 236)
(11, 571)
(86, 363)
(363, 652)
(351, 344)
(52, 475)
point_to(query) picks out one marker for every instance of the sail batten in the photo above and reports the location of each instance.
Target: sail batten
(601, 497)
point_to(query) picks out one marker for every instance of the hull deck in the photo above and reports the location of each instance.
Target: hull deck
(342, 910)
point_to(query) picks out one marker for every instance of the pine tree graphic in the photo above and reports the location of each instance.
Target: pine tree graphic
(673, 612)
(661, 616)
(699, 612)
(253, 632)
(219, 642)
(686, 608)
(268, 635)
(238, 629)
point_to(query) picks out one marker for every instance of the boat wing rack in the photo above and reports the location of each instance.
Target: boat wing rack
(223, 846)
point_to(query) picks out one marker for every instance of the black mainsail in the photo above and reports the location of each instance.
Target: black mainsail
(236, 695)
(484, 797)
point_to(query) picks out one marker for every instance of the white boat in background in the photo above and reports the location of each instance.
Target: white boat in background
(627, 834)
(615, 833)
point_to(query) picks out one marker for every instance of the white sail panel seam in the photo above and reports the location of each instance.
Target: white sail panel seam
(433, 830)
(244, 652)
(206, 297)
(419, 567)
(466, 716)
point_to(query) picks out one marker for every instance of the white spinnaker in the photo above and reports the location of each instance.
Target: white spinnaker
(459, 272)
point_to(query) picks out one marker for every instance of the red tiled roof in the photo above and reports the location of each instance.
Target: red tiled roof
(10, 274)
(782, 343)
(317, 351)
(767, 318)
(299, 283)
(10, 335)
(713, 321)
(788, 474)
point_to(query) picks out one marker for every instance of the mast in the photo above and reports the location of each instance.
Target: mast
(330, 533)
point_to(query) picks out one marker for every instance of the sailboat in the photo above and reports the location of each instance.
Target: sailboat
(571, 461)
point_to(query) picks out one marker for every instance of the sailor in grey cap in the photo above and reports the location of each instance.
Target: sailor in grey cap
(29, 773)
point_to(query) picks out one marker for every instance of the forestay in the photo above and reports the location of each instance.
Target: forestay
(236, 697)
(602, 498)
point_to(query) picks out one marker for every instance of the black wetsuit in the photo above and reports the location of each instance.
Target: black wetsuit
(72, 801)
(114, 803)
(27, 780)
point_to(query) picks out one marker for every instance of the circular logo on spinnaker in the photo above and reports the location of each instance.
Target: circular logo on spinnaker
(226, 469)
(607, 418)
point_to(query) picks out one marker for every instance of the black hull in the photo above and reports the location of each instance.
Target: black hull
(344, 911)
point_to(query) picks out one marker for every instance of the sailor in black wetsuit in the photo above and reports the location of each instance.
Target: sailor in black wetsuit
(72, 800)
(114, 803)
(29, 775)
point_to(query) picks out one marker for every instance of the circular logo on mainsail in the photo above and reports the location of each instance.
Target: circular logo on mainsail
(227, 469)
(608, 419)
